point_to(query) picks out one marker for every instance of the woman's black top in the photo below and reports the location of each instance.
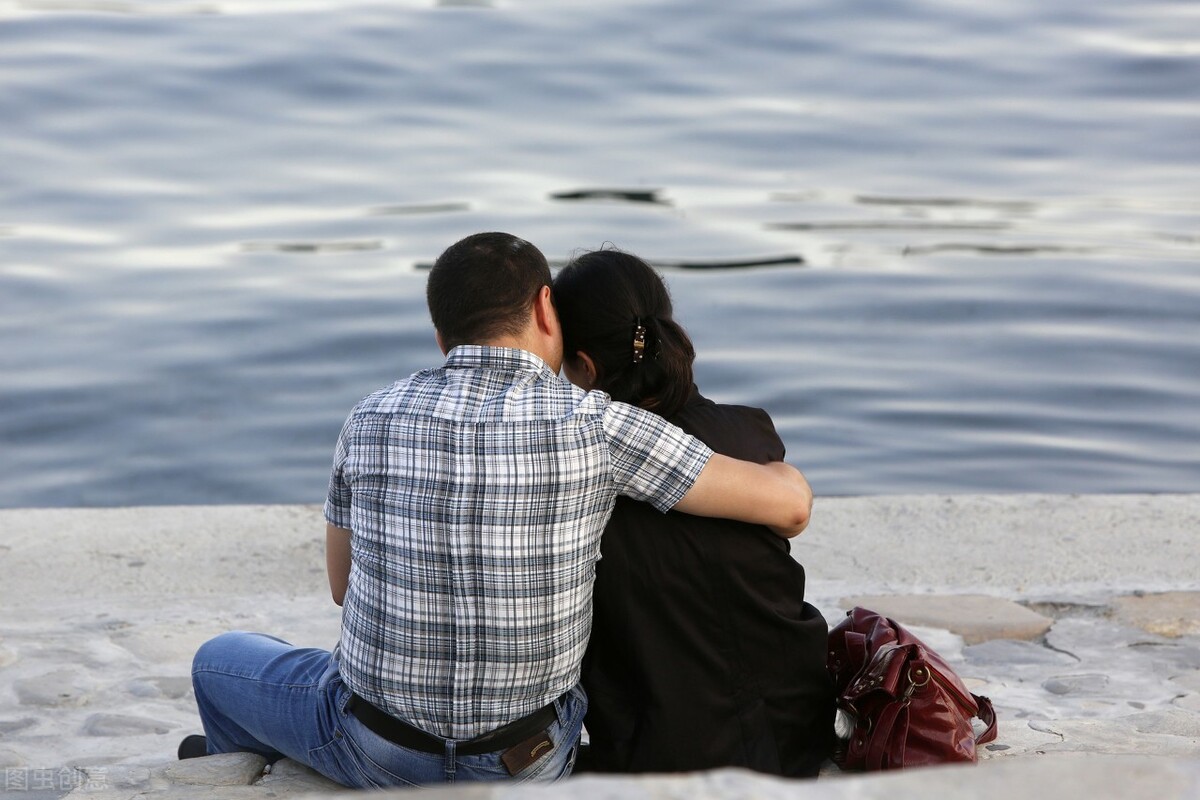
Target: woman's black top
(703, 652)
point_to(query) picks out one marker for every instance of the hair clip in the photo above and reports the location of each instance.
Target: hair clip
(639, 341)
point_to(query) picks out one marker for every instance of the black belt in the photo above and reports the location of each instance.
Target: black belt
(399, 732)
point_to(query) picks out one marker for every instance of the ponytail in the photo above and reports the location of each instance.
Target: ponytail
(615, 307)
(666, 379)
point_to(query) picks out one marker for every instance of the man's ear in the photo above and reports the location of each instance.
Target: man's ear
(544, 314)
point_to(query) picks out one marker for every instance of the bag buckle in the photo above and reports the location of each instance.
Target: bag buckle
(914, 674)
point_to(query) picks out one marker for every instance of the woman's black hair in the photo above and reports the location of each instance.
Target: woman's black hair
(602, 298)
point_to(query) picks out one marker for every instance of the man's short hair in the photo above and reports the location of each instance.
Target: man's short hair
(483, 287)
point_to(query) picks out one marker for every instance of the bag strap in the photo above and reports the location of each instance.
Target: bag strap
(988, 715)
(881, 735)
(856, 649)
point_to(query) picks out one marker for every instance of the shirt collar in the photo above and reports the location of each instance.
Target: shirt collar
(479, 356)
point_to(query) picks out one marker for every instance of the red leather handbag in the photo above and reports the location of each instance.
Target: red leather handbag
(899, 704)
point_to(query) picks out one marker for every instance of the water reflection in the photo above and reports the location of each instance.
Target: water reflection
(312, 247)
(114, 7)
(627, 195)
(950, 248)
(426, 208)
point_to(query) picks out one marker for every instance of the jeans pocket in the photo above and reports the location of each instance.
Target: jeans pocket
(565, 735)
(552, 768)
(385, 763)
(347, 762)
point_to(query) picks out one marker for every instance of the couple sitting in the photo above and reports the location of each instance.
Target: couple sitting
(465, 514)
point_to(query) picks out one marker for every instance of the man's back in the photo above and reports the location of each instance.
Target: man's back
(476, 494)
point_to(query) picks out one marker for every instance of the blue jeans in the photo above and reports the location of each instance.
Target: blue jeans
(260, 694)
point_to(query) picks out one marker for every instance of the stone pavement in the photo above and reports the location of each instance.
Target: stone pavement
(1076, 615)
(1078, 775)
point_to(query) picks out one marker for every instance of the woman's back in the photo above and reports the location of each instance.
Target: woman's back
(703, 652)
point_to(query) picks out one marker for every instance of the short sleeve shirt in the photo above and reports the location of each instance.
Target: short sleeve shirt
(476, 494)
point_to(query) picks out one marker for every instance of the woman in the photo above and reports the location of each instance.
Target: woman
(703, 652)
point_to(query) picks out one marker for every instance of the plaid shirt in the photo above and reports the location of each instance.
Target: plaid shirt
(476, 494)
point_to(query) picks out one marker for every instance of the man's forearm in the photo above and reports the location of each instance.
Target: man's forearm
(776, 494)
(337, 561)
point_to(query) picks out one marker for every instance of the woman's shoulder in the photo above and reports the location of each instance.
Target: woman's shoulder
(737, 431)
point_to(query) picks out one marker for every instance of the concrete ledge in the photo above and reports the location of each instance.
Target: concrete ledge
(1077, 775)
(1081, 776)
(976, 618)
(104, 608)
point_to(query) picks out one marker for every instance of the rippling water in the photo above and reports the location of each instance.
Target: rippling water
(213, 217)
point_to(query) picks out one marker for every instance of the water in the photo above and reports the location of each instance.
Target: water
(212, 216)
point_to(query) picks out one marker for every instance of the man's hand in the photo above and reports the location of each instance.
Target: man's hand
(775, 494)
(337, 561)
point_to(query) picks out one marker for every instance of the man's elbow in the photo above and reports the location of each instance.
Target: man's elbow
(793, 528)
(796, 518)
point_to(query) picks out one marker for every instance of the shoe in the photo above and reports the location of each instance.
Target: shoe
(193, 746)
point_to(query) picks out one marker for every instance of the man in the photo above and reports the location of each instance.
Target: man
(464, 516)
